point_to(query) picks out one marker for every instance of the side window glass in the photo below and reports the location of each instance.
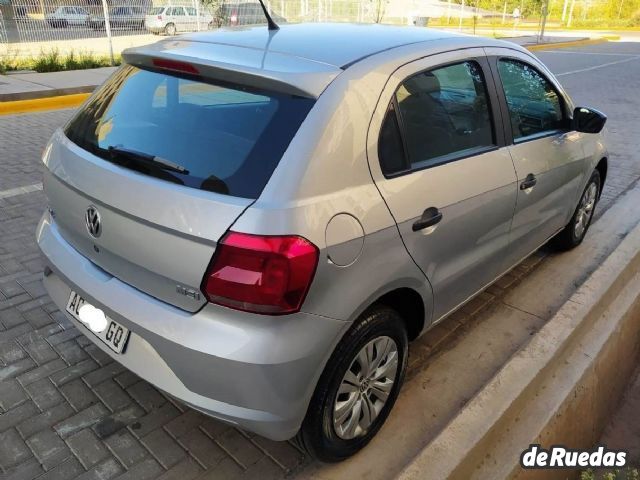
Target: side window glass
(534, 105)
(390, 148)
(445, 114)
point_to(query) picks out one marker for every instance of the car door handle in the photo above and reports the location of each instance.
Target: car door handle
(528, 182)
(430, 217)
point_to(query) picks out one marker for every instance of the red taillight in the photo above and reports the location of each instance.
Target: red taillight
(159, 17)
(261, 274)
(175, 65)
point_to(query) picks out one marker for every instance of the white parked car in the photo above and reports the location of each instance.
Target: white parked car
(65, 16)
(172, 20)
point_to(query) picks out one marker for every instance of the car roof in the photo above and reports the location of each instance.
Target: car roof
(301, 59)
(337, 44)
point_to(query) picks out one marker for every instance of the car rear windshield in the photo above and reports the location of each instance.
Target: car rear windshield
(156, 10)
(224, 138)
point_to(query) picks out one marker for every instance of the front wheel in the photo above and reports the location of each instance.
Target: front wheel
(358, 387)
(573, 234)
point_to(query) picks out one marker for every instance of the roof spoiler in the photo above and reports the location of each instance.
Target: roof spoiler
(210, 60)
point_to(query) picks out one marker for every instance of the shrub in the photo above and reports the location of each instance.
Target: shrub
(628, 474)
(53, 61)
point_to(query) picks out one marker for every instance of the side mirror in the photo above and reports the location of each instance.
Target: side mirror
(588, 120)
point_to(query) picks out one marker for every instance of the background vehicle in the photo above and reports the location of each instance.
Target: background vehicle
(268, 235)
(119, 17)
(172, 20)
(246, 14)
(65, 16)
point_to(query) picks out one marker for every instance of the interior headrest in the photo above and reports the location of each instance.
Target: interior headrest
(425, 82)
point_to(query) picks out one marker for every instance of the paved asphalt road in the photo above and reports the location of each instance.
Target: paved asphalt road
(56, 388)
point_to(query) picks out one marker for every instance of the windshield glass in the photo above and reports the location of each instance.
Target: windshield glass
(228, 137)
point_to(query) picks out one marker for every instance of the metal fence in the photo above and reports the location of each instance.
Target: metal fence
(3, 32)
(100, 26)
(84, 25)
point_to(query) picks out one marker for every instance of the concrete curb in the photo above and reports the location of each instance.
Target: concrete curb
(559, 388)
(40, 94)
(41, 104)
(576, 43)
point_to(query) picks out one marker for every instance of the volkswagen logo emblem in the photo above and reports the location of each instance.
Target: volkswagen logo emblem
(93, 222)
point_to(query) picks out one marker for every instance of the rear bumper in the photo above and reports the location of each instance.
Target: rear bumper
(257, 372)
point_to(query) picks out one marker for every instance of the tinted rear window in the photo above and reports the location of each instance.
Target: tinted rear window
(156, 11)
(229, 138)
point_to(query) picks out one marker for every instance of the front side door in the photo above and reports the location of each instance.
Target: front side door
(547, 155)
(80, 16)
(441, 164)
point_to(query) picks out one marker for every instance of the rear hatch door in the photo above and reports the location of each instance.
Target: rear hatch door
(164, 163)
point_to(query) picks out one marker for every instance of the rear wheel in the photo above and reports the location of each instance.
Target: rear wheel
(358, 387)
(573, 234)
(170, 29)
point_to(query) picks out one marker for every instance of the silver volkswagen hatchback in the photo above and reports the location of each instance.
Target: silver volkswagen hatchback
(258, 222)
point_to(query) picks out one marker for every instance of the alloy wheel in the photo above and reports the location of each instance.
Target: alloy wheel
(585, 210)
(365, 388)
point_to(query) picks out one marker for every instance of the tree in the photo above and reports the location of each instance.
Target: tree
(378, 8)
(216, 9)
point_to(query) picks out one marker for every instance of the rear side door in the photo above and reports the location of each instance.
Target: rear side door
(181, 20)
(193, 20)
(547, 154)
(438, 156)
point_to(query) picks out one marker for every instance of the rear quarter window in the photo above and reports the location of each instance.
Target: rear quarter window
(230, 138)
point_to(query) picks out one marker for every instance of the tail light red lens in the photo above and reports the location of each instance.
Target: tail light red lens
(159, 17)
(261, 274)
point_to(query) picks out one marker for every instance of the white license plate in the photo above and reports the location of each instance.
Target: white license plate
(114, 335)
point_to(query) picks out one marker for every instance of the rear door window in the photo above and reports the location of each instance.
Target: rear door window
(443, 114)
(229, 137)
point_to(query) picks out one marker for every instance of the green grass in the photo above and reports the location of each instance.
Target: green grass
(53, 61)
(627, 474)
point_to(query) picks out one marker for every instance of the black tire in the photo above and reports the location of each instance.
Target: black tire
(568, 237)
(170, 29)
(317, 434)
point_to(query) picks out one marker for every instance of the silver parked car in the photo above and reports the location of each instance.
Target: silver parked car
(119, 17)
(172, 20)
(66, 16)
(258, 222)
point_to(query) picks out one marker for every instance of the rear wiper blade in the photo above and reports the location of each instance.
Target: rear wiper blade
(146, 159)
